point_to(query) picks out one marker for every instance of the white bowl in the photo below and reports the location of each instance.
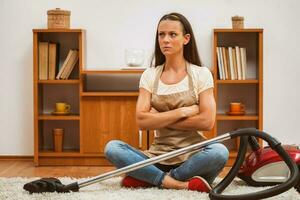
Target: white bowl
(134, 57)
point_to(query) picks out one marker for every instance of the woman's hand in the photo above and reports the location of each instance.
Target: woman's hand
(189, 111)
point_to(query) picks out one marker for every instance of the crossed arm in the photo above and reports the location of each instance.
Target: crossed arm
(194, 117)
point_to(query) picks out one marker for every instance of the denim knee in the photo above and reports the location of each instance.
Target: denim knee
(221, 152)
(112, 148)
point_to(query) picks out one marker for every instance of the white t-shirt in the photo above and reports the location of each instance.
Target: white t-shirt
(201, 76)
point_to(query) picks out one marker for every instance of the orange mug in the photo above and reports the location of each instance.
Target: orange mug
(237, 107)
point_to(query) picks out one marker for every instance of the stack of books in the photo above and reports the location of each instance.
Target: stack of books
(232, 63)
(48, 62)
(68, 65)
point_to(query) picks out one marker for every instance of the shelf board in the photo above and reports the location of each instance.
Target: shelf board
(244, 30)
(222, 117)
(248, 81)
(92, 94)
(59, 117)
(110, 71)
(68, 153)
(57, 30)
(69, 81)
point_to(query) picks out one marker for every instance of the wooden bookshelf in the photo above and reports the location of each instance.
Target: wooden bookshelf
(249, 91)
(48, 92)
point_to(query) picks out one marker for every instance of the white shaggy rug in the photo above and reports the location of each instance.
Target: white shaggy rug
(12, 189)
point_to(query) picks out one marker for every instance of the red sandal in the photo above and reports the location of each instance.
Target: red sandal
(199, 184)
(131, 182)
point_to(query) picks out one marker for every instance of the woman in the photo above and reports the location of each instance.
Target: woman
(175, 99)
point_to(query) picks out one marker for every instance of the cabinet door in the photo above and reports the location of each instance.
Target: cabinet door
(108, 118)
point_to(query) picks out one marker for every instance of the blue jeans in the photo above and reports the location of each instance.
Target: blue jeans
(206, 163)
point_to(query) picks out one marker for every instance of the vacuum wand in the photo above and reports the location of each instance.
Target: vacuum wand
(153, 160)
(54, 185)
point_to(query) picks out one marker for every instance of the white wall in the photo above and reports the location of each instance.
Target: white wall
(114, 25)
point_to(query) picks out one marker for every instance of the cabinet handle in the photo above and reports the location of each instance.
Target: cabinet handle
(140, 139)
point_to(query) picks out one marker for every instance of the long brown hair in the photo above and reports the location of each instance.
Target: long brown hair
(190, 52)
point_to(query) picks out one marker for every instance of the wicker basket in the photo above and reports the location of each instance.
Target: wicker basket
(237, 22)
(58, 18)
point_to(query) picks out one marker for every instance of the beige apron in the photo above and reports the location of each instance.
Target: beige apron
(166, 139)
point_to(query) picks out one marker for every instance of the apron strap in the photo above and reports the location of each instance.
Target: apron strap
(191, 85)
(189, 73)
(156, 80)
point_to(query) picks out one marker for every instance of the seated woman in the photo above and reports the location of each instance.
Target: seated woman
(175, 99)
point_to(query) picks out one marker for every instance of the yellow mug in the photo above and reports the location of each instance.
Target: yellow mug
(62, 107)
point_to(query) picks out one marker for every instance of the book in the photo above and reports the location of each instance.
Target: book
(228, 64)
(243, 62)
(53, 60)
(224, 63)
(43, 60)
(238, 62)
(70, 65)
(234, 63)
(232, 75)
(58, 76)
(219, 64)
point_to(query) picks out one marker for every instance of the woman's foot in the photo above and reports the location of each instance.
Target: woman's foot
(196, 183)
(171, 183)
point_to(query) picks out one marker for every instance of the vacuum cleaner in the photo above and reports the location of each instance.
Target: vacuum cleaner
(263, 166)
(251, 170)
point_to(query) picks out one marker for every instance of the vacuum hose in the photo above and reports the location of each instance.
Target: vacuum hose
(244, 134)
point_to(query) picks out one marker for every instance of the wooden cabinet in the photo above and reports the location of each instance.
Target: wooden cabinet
(109, 114)
(108, 118)
(248, 91)
(96, 117)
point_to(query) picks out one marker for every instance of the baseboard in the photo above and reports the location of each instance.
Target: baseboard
(16, 157)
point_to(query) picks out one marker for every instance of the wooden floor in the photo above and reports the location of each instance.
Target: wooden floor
(26, 168)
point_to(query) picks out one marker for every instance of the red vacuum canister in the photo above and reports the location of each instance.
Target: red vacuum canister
(264, 167)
